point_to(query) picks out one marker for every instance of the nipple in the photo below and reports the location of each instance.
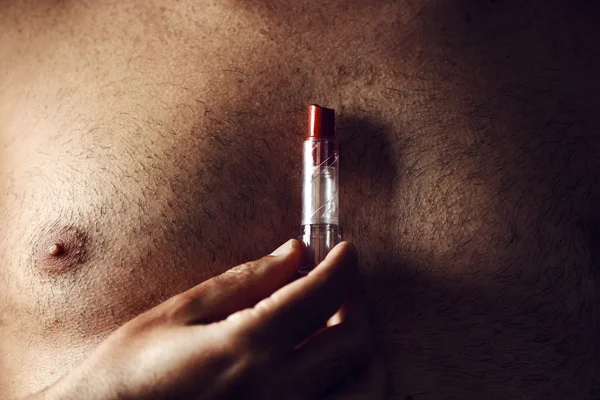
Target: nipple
(61, 251)
(56, 250)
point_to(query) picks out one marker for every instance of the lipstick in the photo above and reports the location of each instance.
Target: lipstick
(320, 187)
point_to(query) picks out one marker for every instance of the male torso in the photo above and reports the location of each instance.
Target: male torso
(159, 144)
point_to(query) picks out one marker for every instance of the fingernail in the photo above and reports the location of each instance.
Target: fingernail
(283, 249)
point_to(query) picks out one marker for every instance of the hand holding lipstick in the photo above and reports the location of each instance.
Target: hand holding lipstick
(246, 334)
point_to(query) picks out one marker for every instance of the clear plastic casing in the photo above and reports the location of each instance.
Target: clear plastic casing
(320, 206)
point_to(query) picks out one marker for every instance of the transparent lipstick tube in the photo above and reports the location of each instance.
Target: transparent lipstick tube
(320, 188)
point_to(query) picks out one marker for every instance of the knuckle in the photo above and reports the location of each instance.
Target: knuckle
(246, 269)
(183, 300)
(241, 331)
(249, 335)
(175, 310)
(135, 327)
(264, 307)
(179, 307)
(240, 272)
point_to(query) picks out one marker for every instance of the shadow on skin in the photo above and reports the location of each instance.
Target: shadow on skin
(368, 173)
(526, 110)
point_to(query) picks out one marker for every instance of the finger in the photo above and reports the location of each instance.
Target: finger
(371, 383)
(354, 311)
(327, 358)
(236, 289)
(283, 320)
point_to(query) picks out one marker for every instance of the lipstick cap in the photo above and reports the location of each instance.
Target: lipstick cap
(321, 122)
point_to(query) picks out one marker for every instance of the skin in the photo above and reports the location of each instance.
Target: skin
(218, 341)
(159, 145)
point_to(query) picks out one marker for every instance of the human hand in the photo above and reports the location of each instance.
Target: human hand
(246, 334)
